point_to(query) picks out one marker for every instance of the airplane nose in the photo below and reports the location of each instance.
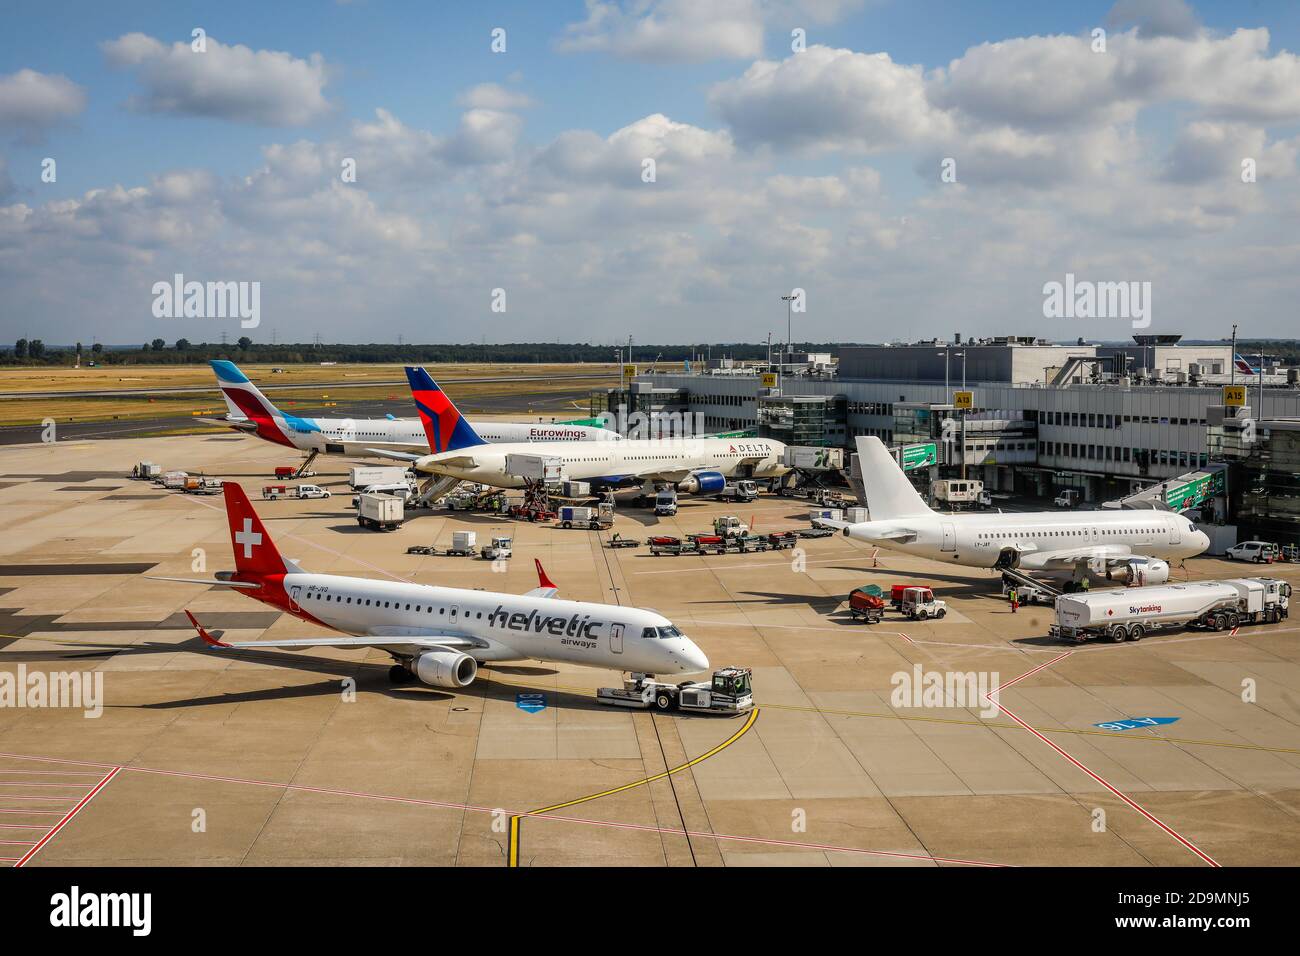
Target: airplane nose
(692, 658)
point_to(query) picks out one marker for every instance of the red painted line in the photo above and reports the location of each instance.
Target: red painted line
(1095, 776)
(1233, 632)
(8, 859)
(56, 773)
(67, 819)
(23, 796)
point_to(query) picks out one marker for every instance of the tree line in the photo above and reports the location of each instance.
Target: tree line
(184, 352)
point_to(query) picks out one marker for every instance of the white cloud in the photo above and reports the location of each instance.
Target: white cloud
(825, 98)
(264, 87)
(494, 96)
(669, 30)
(31, 102)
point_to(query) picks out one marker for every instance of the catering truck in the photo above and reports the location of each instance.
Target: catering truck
(1127, 614)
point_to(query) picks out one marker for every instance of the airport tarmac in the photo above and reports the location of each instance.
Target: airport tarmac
(282, 758)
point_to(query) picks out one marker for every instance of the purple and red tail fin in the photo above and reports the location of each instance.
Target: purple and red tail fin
(255, 552)
(443, 424)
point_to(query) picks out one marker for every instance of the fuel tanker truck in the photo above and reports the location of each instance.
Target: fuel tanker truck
(1128, 614)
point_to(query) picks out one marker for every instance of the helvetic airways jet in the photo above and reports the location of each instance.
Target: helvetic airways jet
(251, 411)
(441, 635)
(1138, 544)
(692, 464)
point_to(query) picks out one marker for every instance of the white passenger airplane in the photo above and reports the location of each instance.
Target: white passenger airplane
(251, 411)
(1137, 544)
(440, 635)
(691, 464)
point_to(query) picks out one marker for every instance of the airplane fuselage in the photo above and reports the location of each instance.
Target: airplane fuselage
(503, 627)
(979, 540)
(352, 436)
(615, 462)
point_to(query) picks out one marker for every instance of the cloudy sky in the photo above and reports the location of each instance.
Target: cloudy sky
(916, 167)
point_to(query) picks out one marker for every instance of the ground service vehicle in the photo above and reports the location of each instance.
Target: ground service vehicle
(742, 490)
(382, 512)
(1027, 594)
(618, 541)
(1068, 498)
(195, 485)
(919, 603)
(666, 502)
(397, 489)
(173, 479)
(501, 547)
(961, 493)
(146, 470)
(867, 604)
(729, 526)
(294, 491)
(730, 691)
(1128, 614)
(463, 544)
(602, 516)
(1261, 552)
(364, 477)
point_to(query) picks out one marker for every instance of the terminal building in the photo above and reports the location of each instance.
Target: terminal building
(1112, 421)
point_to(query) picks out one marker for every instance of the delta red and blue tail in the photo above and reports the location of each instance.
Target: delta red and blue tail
(443, 424)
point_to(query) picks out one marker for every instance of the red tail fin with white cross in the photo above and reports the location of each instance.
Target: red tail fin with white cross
(255, 552)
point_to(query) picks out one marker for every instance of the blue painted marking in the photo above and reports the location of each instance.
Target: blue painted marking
(228, 371)
(301, 425)
(1130, 723)
(532, 703)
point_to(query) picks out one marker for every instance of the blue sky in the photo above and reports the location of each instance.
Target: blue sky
(520, 170)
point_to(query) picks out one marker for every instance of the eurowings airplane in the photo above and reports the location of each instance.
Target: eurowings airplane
(691, 464)
(1138, 544)
(251, 411)
(441, 635)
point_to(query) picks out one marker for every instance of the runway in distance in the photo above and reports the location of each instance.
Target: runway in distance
(692, 465)
(252, 412)
(441, 635)
(1137, 545)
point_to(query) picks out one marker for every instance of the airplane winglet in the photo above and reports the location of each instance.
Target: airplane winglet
(207, 638)
(542, 579)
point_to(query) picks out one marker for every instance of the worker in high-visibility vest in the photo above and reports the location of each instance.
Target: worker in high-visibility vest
(1014, 603)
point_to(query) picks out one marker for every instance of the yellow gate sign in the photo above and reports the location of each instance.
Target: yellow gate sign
(1234, 395)
(629, 373)
(963, 400)
(769, 380)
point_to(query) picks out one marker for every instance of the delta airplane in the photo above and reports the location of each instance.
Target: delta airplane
(691, 464)
(1137, 544)
(251, 411)
(441, 635)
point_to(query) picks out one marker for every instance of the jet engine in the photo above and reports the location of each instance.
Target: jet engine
(445, 668)
(702, 483)
(1145, 571)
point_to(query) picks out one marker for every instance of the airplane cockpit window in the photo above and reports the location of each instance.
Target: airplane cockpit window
(648, 633)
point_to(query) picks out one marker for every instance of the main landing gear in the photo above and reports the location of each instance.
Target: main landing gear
(399, 674)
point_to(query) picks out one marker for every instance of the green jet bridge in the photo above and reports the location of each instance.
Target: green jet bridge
(1189, 490)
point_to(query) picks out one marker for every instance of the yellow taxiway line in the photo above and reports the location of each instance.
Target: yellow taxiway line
(513, 856)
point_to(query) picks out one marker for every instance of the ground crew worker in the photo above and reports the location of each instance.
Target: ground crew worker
(1014, 603)
(1084, 584)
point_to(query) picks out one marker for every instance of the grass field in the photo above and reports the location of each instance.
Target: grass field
(205, 401)
(200, 375)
